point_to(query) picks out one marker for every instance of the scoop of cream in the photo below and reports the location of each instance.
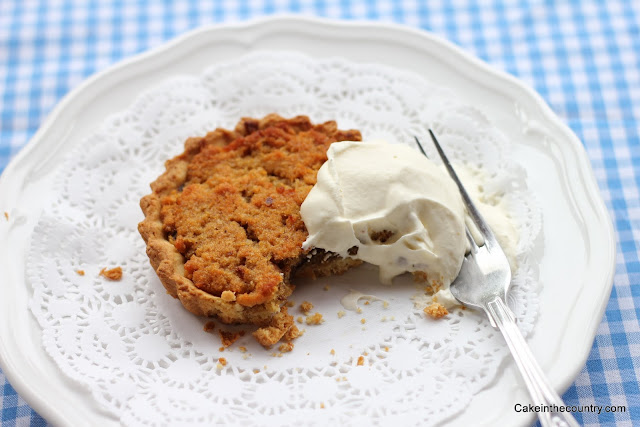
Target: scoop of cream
(390, 206)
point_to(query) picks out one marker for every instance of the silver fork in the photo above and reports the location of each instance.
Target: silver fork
(482, 283)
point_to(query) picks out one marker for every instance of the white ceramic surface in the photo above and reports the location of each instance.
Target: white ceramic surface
(576, 269)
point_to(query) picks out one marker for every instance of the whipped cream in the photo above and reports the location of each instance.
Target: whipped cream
(390, 206)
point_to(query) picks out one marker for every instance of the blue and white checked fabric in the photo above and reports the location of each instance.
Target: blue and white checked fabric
(583, 57)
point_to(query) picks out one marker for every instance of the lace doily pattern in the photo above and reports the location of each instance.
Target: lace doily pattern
(148, 361)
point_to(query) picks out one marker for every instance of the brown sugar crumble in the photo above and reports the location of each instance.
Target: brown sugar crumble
(435, 310)
(113, 274)
(333, 352)
(6, 216)
(223, 361)
(360, 360)
(306, 307)
(314, 319)
(80, 272)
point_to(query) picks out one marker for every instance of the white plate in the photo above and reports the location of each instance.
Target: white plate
(576, 269)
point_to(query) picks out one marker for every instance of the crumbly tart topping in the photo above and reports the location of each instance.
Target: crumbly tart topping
(223, 226)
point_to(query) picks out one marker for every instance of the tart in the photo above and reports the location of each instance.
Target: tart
(222, 224)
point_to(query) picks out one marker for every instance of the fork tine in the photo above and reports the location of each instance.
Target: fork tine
(420, 147)
(474, 214)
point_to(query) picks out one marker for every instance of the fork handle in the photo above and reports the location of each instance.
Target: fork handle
(542, 393)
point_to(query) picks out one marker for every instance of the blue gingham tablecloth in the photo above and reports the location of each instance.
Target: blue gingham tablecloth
(583, 57)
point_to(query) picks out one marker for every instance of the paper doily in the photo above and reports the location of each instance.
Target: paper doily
(148, 361)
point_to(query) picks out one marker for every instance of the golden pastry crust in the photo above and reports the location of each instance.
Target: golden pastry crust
(222, 224)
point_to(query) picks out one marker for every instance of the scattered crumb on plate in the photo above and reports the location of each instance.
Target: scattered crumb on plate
(80, 272)
(209, 326)
(114, 274)
(341, 314)
(227, 337)
(360, 360)
(306, 306)
(286, 347)
(6, 215)
(314, 319)
(436, 310)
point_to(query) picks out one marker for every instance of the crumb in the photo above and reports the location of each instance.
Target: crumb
(365, 353)
(363, 321)
(359, 310)
(286, 347)
(322, 405)
(393, 317)
(243, 349)
(114, 274)
(256, 371)
(290, 304)
(436, 310)
(245, 356)
(314, 319)
(386, 348)
(341, 314)
(384, 318)
(219, 366)
(279, 326)
(223, 361)
(306, 306)
(332, 351)
(360, 361)
(366, 303)
(80, 272)
(221, 348)
(227, 338)
(300, 319)
(385, 304)
(326, 287)
(6, 216)
(292, 333)
(209, 326)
